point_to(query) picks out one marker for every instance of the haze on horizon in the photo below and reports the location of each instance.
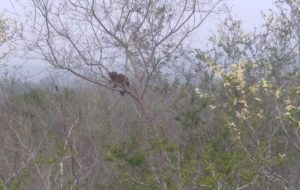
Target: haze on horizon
(248, 11)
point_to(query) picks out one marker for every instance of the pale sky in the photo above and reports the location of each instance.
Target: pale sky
(248, 11)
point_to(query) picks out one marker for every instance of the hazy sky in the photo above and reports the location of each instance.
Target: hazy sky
(248, 11)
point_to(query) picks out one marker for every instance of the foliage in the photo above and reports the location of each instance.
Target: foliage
(8, 32)
(233, 123)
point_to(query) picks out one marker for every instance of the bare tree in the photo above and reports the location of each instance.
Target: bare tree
(90, 38)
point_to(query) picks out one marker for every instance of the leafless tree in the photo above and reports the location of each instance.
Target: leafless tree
(90, 38)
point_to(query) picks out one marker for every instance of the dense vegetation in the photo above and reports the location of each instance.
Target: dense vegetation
(229, 119)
